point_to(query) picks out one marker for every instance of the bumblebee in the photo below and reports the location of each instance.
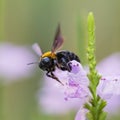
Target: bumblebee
(52, 59)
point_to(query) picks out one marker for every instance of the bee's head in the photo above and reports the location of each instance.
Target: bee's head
(47, 63)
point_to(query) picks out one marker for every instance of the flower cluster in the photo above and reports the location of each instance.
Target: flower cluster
(76, 86)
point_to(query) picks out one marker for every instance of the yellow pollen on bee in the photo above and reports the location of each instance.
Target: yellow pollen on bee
(49, 54)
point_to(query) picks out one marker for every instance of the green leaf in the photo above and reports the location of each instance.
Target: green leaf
(103, 116)
(87, 106)
(89, 116)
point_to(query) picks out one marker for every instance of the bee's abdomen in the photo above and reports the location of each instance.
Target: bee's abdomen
(67, 56)
(63, 59)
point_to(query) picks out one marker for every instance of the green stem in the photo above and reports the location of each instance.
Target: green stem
(96, 104)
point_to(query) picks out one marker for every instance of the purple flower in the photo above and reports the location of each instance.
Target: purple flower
(13, 61)
(51, 99)
(109, 68)
(109, 87)
(59, 97)
(76, 86)
(77, 83)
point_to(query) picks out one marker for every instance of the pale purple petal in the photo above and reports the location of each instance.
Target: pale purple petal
(110, 65)
(13, 61)
(76, 67)
(77, 86)
(113, 104)
(76, 92)
(110, 71)
(51, 98)
(109, 86)
(81, 114)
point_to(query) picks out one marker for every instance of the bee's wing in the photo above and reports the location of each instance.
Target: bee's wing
(58, 40)
(37, 49)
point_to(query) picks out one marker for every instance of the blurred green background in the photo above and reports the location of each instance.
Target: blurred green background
(24, 22)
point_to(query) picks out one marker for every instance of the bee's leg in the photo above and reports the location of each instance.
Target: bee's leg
(64, 65)
(54, 77)
(69, 66)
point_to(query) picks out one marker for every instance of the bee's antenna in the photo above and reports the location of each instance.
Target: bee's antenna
(32, 63)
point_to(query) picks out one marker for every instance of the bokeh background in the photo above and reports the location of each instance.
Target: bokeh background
(24, 22)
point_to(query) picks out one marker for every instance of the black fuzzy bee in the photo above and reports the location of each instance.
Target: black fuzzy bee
(52, 59)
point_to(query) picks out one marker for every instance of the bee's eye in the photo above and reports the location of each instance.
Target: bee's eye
(46, 63)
